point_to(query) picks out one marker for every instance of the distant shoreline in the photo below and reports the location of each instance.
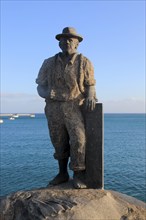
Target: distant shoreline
(119, 113)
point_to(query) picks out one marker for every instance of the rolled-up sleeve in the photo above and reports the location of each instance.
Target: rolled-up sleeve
(42, 75)
(88, 73)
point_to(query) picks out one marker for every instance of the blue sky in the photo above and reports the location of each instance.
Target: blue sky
(114, 41)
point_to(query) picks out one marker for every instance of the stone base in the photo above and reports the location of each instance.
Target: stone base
(63, 202)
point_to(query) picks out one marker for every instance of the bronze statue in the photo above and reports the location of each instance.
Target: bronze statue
(66, 81)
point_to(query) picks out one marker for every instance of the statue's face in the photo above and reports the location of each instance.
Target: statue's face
(68, 45)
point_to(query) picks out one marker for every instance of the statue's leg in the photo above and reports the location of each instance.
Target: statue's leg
(76, 129)
(76, 132)
(60, 141)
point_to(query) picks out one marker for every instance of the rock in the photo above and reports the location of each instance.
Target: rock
(62, 202)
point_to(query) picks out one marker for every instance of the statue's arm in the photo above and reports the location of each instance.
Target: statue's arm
(89, 83)
(41, 80)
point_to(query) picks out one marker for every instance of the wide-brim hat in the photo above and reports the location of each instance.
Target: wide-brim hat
(69, 32)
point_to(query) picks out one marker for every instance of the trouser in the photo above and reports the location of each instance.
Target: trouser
(67, 132)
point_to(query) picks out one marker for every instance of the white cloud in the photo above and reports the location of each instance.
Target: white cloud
(131, 105)
(32, 103)
(21, 103)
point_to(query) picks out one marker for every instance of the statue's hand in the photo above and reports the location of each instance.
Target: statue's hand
(43, 91)
(90, 103)
(91, 98)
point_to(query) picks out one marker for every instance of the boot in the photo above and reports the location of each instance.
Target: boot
(79, 180)
(63, 175)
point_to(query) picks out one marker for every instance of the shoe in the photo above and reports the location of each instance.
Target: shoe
(78, 180)
(60, 178)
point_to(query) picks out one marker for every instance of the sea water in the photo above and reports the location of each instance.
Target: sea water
(27, 154)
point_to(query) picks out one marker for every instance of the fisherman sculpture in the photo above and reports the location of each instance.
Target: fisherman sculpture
(66, 82)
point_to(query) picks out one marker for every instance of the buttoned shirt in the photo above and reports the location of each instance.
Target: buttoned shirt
(66, 80)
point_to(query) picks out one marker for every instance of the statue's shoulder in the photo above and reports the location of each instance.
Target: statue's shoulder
(50, 60)
(84, 59)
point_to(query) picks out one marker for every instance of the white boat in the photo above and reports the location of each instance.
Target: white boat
(1, 121)
(32, 116)
(16, 116)
(11, 118)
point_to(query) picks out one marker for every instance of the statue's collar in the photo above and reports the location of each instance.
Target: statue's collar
(71, 59)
